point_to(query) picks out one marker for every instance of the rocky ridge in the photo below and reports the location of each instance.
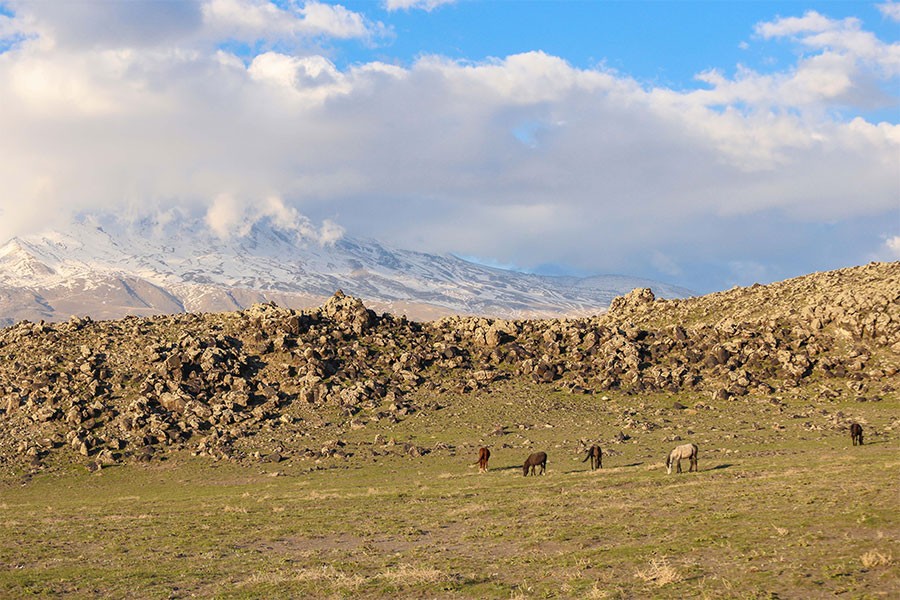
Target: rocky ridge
(136, 388)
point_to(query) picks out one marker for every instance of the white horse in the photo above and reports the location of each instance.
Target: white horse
(684, 451)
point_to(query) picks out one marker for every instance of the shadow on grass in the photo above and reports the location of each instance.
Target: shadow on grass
(723, 466)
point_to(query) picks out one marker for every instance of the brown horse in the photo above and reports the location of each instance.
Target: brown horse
(856, 434)
(596, 455)
(683, 451)
(538, 459)
(483, 456)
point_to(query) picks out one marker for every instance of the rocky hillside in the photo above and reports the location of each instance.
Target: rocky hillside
(132, 389)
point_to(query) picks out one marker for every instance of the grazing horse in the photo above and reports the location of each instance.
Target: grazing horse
(533, 461)
(684, 451)
(856, 434)
(483, 456)
(596, 455)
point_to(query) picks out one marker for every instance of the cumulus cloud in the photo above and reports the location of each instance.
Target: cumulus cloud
(251, 20)
(526, 159)
(837, 38)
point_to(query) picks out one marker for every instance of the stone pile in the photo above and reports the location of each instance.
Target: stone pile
(136, 387)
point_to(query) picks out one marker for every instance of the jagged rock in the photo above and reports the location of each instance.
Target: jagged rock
(632, 300)
(173, 403)
(349, 311)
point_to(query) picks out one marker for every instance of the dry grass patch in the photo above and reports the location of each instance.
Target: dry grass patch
(324, 574)
(659, 573)
(873, 558)
(412, 575)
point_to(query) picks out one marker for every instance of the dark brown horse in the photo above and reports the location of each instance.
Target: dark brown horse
(856, 434)
(483, 456)
(538, 459)
(596, 455)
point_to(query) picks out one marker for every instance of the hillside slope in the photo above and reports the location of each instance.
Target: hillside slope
(136, 387)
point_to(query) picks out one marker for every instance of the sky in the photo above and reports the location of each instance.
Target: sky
(704, 144)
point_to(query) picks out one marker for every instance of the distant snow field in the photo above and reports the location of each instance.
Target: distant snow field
(104, 268)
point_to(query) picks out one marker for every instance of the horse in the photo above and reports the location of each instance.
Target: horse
(684, 451)
(533, 461)
(483, 456)
(856, 434)
(596, 455)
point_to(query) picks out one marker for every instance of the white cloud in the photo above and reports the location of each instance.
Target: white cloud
(251, 20)
(841, 36)
(228, 217)
(334, 20)
(890, 9)
(893, 247)
(811, 22)
(147, 24)
(225, 217)
(612, 175)
(426, 5)
(107, 23)
(310, 78)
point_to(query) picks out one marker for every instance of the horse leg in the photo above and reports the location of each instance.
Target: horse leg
(678, 466)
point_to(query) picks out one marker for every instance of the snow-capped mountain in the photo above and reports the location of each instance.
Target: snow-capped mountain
(106, 268)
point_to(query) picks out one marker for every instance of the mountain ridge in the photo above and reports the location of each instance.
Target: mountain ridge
(146, 267)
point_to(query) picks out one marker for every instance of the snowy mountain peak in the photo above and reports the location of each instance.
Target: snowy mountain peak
(19, 263)
(181, 264)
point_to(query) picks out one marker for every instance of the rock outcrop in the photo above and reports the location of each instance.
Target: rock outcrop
(134, 388)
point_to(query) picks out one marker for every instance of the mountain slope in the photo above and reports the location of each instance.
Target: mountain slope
(105, 268)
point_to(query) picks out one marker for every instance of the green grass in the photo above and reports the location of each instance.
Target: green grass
(783, 507)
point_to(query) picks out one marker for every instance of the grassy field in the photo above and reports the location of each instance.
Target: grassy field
(783, 507)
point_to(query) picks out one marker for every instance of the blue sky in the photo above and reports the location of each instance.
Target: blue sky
(660, 41)
(706, 144)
